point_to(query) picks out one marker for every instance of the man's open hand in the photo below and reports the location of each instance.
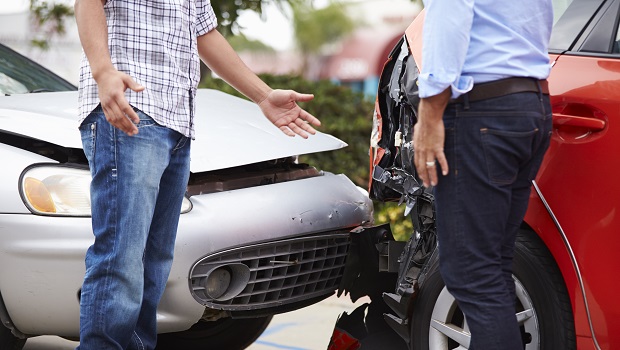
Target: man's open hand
(280, 107)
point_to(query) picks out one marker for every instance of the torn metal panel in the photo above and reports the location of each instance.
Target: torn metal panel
(393, 173)
(365, 327)
(391, 280)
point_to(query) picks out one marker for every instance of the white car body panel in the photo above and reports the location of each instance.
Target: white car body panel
(223, 138)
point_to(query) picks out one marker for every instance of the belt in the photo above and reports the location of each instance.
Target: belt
(503, 87)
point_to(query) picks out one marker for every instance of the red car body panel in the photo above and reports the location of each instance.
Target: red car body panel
(578, 179)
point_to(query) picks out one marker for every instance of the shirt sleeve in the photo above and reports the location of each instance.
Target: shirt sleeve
(446, 37)
(206, 20)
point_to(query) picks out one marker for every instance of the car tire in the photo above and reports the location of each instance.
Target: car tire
(226, 333)
(543, 303)
(8, 341)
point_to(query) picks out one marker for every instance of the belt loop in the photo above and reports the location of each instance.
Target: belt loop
(466, 101)
(540, 90)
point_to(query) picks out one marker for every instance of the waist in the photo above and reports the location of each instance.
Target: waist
(502, 87)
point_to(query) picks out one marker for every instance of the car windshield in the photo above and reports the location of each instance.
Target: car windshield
(20, 75)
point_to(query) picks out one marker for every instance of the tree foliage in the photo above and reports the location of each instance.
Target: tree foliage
(228, 11)
(314, 28)
(49, 20)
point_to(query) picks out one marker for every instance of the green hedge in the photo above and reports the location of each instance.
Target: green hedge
(346, 115)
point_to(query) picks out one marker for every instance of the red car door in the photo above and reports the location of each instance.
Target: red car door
(579, 176)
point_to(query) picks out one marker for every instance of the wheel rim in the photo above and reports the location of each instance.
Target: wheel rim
(449, 330)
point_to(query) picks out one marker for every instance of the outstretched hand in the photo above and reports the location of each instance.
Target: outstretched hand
(280, 107)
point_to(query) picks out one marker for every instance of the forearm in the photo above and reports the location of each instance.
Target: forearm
(431, 108)
(93, 32)
(220, 57)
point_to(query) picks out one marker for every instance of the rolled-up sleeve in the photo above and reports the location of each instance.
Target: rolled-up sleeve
(206, 20)
(446, 37)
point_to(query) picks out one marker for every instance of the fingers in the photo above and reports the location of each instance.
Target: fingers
(302, 97)
(443, 163)
(309, 118)
(420, 167)
(287, 131)
(281, 108)
(119, 117)
(117, 110)
(426, 165)
(133, 85)
(426, 170)
(298, 130)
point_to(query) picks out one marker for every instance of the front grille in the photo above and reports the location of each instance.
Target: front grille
(281, 272)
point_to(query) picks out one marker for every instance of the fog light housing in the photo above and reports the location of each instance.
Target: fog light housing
(224, 282)
(217, 283)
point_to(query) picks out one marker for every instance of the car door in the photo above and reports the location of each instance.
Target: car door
(579, 176)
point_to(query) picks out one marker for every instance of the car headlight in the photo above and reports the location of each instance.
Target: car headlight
(186, 206)
(61, 191)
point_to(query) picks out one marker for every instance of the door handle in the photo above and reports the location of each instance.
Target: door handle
(592, 124)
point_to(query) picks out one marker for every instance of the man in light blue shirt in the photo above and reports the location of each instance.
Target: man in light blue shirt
(484, 121)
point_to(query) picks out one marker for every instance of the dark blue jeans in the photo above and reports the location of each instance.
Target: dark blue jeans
(494, 148)
(136, 192)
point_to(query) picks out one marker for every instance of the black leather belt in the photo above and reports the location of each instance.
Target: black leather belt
(503, 87)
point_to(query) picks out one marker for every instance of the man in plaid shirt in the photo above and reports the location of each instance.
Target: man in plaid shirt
(137, 92)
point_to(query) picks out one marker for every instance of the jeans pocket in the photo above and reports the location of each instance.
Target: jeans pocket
(505, 151)
(88, 132)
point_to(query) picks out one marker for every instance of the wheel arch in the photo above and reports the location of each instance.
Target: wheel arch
(540, 220)
(7, 322)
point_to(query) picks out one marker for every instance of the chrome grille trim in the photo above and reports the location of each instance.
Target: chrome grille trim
(281, 272)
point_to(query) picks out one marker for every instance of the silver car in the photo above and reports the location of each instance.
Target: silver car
(259, 233)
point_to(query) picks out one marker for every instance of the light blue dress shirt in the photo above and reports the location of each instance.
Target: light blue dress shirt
(466, 42)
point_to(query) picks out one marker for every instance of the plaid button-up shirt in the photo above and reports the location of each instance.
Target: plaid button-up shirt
(154, 42)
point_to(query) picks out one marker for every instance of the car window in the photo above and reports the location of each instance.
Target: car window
(559, 7)
(601, 33)
(9, 85)
(570, 19)
(19, 75)
(616, 43)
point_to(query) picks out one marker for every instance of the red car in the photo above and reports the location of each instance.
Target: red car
(565, 259)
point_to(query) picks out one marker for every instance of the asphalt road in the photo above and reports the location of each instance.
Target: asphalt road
(305, 329)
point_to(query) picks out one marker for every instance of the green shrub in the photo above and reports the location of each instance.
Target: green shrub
(346, 115)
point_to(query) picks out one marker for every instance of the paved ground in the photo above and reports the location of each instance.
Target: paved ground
(305, 329)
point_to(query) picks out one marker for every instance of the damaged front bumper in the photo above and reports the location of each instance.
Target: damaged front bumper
(390, 273)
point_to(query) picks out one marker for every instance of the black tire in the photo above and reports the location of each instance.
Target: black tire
(540, 288)
(226, 333)
(10, 342)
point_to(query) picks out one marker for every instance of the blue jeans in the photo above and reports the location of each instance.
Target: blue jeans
(494, 148)
(138, 184)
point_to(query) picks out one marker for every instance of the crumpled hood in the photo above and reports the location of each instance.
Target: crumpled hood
(229, 131)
